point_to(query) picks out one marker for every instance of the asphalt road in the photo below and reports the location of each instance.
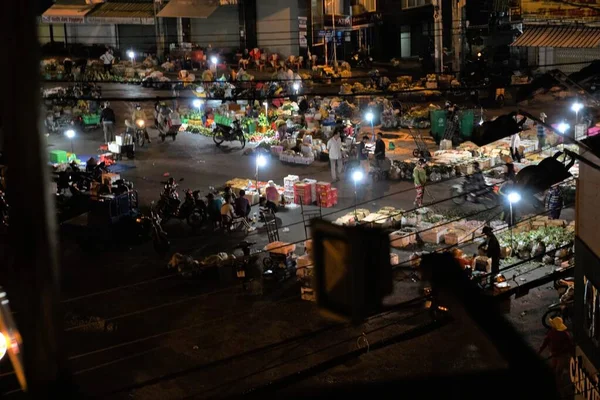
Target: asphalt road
(202, 338)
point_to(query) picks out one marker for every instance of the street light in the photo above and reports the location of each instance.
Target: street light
(563, 127)
(357, 176)
(369, 116)
(513, 198)
(296, 87)
(261, 161)
(70, 134)
(197, 103)
(576, 107)
(131, 55)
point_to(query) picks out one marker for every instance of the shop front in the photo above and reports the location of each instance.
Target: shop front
(337, 33)
(366, 32)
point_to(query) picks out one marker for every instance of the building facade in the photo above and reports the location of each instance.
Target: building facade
(147, 25)
(564, 35)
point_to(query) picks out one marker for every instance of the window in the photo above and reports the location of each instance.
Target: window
(415, 3)
(337, 5)
(369, 5)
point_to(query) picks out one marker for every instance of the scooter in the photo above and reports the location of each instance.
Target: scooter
(141, 134)
(160, 241)
(487, 196)
(224, 133)
(193, 209)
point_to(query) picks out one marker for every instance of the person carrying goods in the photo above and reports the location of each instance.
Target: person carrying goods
(420, 178)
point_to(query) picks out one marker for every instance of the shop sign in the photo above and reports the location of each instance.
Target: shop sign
(366, 19)
(302, 22)
(120, 20)
(552, 9)
(341, 21)
(321, 33)
(585, 382)
(57, 19)
(302, 41)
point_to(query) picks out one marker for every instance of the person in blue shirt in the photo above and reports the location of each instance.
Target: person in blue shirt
(213, 207)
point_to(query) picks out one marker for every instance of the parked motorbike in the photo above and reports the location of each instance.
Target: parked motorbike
(465, 191)
(193, 209)
(223, 133)
(360, 60)
(563, 309)
(160, 240)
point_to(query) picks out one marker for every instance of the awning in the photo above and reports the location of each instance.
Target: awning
(188, 9)
(67, 14)
(559, 36)
(122, 13)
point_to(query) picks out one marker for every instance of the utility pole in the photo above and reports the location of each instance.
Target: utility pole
(157, 31)
(334, 39)
(30, 264)
(438, 35)
(458, 7)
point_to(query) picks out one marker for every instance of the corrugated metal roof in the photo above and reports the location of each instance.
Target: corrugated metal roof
(124, 10)
(559, 36)
(189, 9)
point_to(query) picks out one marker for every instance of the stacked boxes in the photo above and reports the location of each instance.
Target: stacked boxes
(302, 193)
(124, 139)
(327, 196)
(288, 187)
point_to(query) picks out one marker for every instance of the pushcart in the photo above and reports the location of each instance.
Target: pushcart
(421, 151)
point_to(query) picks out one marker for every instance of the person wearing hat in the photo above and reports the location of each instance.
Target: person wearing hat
(420, 178)
(492, 250)
(560, 344)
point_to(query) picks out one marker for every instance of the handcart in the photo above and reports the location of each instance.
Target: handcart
(421, 151)
(280, 264)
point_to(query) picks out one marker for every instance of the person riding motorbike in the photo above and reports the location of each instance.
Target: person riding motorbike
(476, 180)
(139, 114)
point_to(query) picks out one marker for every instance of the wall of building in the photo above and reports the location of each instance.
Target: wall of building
(139, 38)
(588, 198)
(221, 29)
(58, 32)
(92, 34)
(277, 26)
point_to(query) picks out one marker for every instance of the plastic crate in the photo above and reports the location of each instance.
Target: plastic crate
(58, 156)
(222, 120)
(91, 119)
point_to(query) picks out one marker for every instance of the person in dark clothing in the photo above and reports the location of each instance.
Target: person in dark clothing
(492, 250)
(68, 64)
(82, 64)
(379, 148)
(363, 154)
(242, 205)
(107, 117)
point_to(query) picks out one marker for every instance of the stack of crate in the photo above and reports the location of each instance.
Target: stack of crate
(327, 196)
(288, 187)
(303, 193)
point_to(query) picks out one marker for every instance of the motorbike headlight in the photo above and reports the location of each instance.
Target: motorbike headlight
(140, 123)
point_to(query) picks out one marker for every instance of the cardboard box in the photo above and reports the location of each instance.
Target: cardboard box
(323, 187)
(113, 147)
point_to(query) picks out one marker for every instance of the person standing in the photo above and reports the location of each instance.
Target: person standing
(107, 117)
(334, 147)
(379, 149)
(515, 143)
(107, 60)
(561, 346)
(554, 201)
(420, 178)
(363, 154)
(541, 132)
(492, 250)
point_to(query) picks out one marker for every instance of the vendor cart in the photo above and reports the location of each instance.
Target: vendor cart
(421, 151)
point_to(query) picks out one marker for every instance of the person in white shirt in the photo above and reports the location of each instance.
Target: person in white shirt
(334, 147)
(107, 59)
(515, 143)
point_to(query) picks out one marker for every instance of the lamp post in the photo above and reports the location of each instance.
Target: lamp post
(513, 198)
(369, 116)
(131, 55)
(214, 61)
(577, 106)
(261, 161)
(357, 176)
(296, 87)
(70, 134)
(197, 104)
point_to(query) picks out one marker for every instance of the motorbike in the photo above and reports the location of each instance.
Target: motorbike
(4, 208)
(565, 288)
(359, 60)
(141, 134)
(160, 241)
(193, 209)
(231, 133)
(488, 196)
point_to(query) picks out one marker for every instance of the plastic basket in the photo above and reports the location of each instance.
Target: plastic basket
(222, 120)
(91, 119)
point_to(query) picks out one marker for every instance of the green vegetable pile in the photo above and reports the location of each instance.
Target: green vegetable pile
(552, 237)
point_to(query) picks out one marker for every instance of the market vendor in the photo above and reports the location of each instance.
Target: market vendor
(492, 250)
(271, 193)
